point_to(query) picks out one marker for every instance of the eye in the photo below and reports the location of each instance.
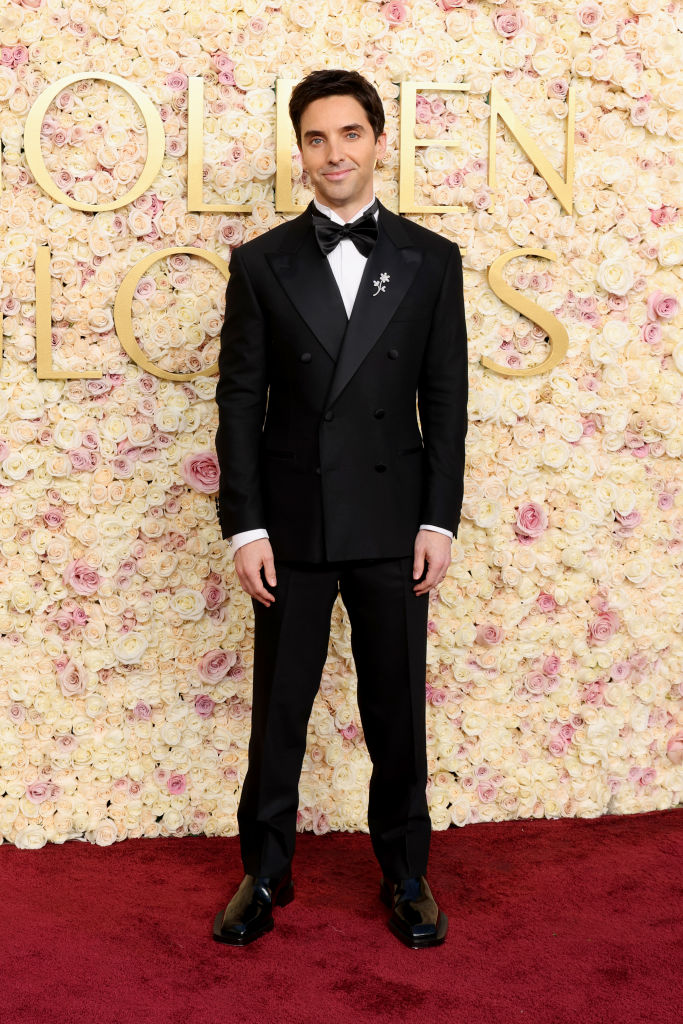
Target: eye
(353, 135)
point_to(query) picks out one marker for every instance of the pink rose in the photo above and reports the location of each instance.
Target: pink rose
(63, 621)
(176, 783)
(546, 602)
(531, 520)
(662, 305)
(489, 634)
(535, 682)
(651, 332)
(83, 460)
(321, 822)
(620, 671)
(200, 470)
(395, 12)
(603, 627)
(53, 518)
(223, 62)
(176, 80)
(17, 714)
(350, 731)
(204, 706)
(215, 665)
(557, 746)
(589, 15)
(664, 215)
(72, 679)
(214, 595)
(551, 665)
(81, 577)
(508, 22)
(67, 741)
(665, 501)
(37, 792)
(142, 712)
(631, 520)
(487, 792)
(674, 748)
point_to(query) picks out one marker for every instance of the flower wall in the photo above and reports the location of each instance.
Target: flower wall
(555, 663)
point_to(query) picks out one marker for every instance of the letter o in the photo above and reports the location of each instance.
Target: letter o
(156, 141)
(122, 310)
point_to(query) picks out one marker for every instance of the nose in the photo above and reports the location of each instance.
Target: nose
(334, 151)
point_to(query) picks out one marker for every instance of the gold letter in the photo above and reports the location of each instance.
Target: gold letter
(44, 367)
(562, 189)
(156, 141)
(559, 339)
(195, 155)
(406, 174)
(284, 202)
(122, 310)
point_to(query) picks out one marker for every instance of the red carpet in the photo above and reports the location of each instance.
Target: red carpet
(566, 921)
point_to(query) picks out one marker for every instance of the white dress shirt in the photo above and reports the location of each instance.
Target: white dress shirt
(347, 265)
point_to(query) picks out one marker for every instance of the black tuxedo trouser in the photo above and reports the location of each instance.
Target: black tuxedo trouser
(389, 644)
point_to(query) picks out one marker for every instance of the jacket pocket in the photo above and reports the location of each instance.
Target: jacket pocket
(411, 451)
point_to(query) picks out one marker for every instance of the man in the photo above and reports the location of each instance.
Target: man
(335, 322)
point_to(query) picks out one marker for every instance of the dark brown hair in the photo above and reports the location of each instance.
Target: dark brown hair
(335, 82)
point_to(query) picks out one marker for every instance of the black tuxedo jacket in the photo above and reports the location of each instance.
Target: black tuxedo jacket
(318, 438)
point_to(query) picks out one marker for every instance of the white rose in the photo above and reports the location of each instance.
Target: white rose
(104, 834)
(189, 604)
(258, 101)
(130, 648)
(671, 250)
(66, 435)
(486, 513)
(32, 837)
(15, 466)
(637, 570)
(555, 453)
(615, 276)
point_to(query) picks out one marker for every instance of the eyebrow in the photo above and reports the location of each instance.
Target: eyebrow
(346, 128)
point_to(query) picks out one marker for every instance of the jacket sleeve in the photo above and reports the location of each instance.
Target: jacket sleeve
(442, 402)
(241, 396)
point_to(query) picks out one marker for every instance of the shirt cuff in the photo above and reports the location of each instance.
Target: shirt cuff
(247, 535)
(437, 529)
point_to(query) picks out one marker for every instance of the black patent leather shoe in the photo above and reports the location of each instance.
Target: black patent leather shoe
(249, 914)
(416, 918)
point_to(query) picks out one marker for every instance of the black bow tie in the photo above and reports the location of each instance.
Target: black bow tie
(362, 232)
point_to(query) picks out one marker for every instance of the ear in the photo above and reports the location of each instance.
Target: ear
(381, 146)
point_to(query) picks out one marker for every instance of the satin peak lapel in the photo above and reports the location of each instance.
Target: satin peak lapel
(307, 278)
(388, 274)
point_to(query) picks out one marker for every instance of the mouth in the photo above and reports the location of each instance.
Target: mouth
(337, 175)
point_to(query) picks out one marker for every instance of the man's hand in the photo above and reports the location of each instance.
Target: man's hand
(248, 561)
(435, 549)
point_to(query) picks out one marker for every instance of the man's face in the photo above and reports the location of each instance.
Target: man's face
(339, 150)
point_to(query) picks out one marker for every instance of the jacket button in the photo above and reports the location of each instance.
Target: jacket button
(393, 353)
(379, 413)
(317, 470)
(305, 357)
(380, 467)
(329, 415)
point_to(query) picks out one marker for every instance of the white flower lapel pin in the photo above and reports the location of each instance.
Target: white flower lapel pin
(381, 284)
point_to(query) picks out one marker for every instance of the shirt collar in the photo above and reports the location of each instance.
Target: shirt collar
(336, 218)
